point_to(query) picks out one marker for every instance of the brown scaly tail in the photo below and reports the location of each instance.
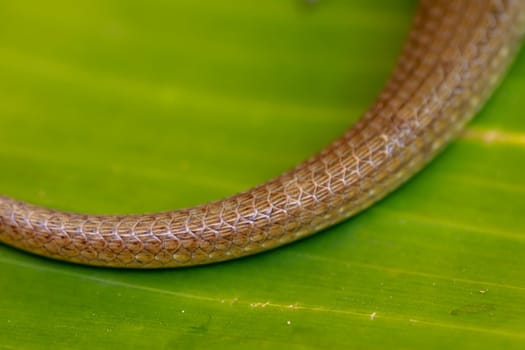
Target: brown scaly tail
(456, 53)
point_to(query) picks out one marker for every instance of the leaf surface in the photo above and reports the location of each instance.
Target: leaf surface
(127, 106)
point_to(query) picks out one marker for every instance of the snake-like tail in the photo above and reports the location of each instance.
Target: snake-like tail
(456, 53)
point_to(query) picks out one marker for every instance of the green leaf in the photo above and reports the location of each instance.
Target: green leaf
(111, 106)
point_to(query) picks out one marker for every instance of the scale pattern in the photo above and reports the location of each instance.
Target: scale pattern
(456, 53)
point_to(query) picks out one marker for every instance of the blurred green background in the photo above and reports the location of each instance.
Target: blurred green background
(129, 106)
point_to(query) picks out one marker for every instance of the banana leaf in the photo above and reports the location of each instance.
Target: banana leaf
(127, 107)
